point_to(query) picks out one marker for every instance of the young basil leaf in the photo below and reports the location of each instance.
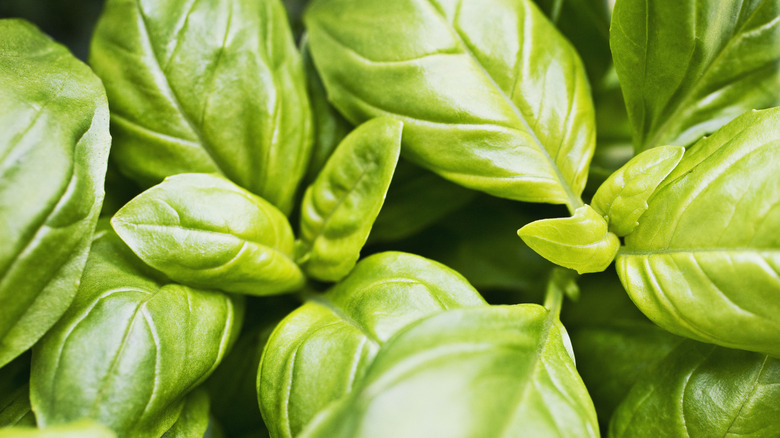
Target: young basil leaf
(340, 206)
(702, 390)
(704, 260)
(130, 347)
(623, 197)
(489, 371)
(416, 199)
(581, 242)
(211, 86)
(194, 418)
(78, 429)
(491, 95)
(319, 351)
(687, 68)
(54, 144)
(202, 230)
(330, 127)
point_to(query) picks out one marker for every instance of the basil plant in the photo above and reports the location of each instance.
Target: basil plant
(373, 218)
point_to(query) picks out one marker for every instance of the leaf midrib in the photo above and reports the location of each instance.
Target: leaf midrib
(573, 201)
(678, 107)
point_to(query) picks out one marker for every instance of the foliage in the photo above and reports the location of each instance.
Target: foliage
(313, 208)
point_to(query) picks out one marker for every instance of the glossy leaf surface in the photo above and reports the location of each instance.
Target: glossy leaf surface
(131, 346)
(202, 230)
(54, 145)
(320, 350)
(623, 197)
(687, 68)
(704, 391)
(491, 371)
(704, 260)
(581, 242)
(78, 429)
(205, 86)
(340, 206)
(194, 418)
(491, 95)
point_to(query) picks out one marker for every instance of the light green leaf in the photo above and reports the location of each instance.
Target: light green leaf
(54, 144)
(205, 86)
(340, 206)
(204, 231)
(622, 198)
(687, 68)
(489, 371)
(580, 242)
(703, 391)
(318, 353)
(704, 260)
(130, 347)
(194, 418)
(77, 429)
(491, 95)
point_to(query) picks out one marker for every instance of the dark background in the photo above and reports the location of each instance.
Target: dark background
(71, 22)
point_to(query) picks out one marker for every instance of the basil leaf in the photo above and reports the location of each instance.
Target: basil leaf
(687, 68)
(491, 95)
(194, 418)
(704, 260)
(78, 429)
(204, 231)
(130, 347)
(330, 127)
(623, 197)
(340, 206)
(703, 391)
(586, 24)
(490, 371)
(54, 144)
(205, 87)
(581, 242)
(320, 350)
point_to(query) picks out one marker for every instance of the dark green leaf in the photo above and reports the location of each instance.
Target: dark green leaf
(687, 68)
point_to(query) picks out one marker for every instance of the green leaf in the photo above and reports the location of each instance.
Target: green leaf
(130, 347)
(15, 393)
(491, 95)
(77, 429)
(580, 242)
(586, 24)
(623, 197)
(54, 144)
(614, 343)
(340, 206)
(703, 391)
(330, 127)
(416, 199)
(194, 418)
(688, 68)
(704, 260)
(205, 87)
(318, 353)
(490, 371)
(204, 231)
